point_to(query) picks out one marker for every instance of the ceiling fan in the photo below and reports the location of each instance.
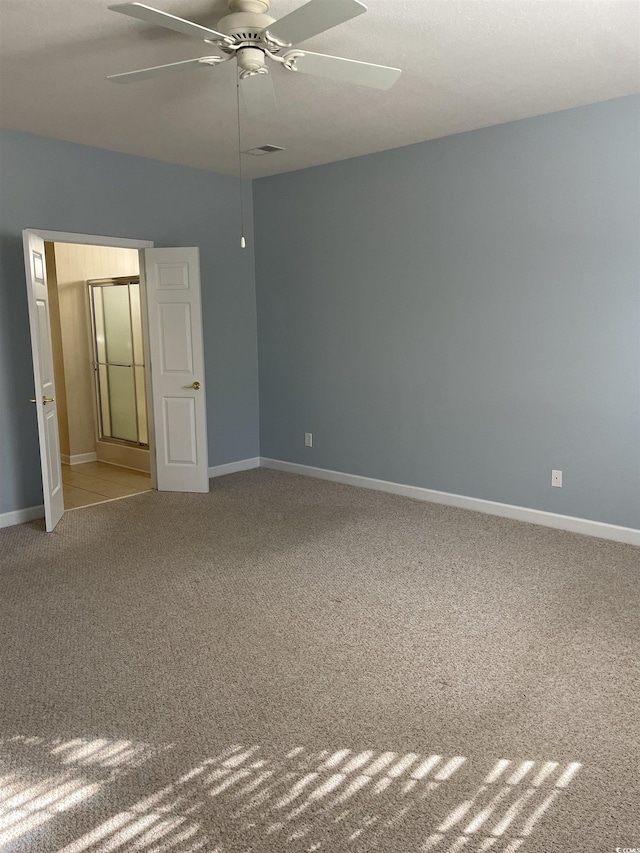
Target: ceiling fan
(251, 36)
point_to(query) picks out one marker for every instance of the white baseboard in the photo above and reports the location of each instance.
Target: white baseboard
(19, 516)
(629, 535)
(234, 467)
(78, 458)
(118, 465)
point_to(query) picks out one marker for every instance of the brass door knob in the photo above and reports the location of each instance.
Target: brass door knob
(194, 385)
(44, 400)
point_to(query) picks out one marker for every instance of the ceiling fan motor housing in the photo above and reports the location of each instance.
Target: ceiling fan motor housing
(246, 21)
(244, 24)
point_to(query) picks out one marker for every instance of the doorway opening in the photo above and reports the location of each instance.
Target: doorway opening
(98, 349)
(173, 346)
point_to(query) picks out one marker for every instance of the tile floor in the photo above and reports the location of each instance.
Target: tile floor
(95, 482)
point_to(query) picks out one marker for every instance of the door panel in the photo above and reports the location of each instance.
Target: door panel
(173, 276)
(172, 282)
(51, 427)
(45, 404)
(180, 428)
(176, 345)
(44, 341)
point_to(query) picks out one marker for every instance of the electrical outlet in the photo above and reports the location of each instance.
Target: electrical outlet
(556, 479)
(308, 439)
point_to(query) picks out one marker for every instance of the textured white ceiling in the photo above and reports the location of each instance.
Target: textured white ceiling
(466, 64)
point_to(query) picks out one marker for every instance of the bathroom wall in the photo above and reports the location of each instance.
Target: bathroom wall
(74, 265)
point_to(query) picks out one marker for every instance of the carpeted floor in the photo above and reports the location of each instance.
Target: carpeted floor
(287, 664)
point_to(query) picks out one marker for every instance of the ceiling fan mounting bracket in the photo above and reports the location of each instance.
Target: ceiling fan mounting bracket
(288, 60)
(213, 60)
(250, 73)
(272, 42)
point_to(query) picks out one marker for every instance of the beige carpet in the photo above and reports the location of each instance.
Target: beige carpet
(287, 664)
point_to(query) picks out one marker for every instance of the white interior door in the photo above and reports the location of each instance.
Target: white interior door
(45, 398)
(172, 282)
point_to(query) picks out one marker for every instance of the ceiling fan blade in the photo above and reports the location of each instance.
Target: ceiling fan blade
(162, 70)
(170, 22)
(313, 18)
(345, 70)
(258, 95)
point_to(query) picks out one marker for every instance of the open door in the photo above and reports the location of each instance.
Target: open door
(45, 398)
(172, 283)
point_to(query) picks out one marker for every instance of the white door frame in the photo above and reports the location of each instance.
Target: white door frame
(118, 243)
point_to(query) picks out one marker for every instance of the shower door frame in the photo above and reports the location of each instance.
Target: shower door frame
(124, 281)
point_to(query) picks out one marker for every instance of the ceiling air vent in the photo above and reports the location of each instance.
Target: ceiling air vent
(263, 149)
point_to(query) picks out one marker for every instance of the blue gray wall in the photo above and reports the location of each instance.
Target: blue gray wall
(60, 186)
(463, 314)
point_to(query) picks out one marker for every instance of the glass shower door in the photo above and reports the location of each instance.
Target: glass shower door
(119, 360)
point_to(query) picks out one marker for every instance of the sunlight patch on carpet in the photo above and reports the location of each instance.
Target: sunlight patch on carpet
(302, 800)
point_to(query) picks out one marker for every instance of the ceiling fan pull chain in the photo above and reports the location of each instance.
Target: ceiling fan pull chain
(243, 242)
